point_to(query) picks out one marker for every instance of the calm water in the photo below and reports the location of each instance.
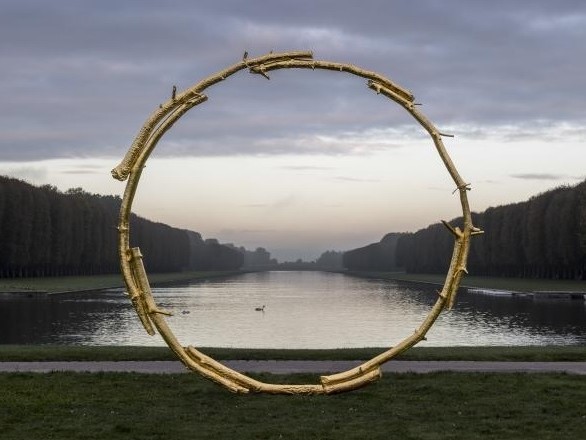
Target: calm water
(303, 310)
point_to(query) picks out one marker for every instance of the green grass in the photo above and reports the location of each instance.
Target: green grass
(120, 353)
(425, 407)
(96, 282)
(512, 284)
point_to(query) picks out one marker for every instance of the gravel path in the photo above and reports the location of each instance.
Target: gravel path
(289, 367)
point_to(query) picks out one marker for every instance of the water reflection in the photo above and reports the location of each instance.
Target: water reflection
(303, 310)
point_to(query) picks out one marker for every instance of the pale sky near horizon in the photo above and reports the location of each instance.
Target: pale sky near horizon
(308, 161)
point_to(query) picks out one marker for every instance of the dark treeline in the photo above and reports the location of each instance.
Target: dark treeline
(330, 260)
(211, 255)
(259, 259)
(379, 256)
(44, 232)
(327, 261)
(544, 237)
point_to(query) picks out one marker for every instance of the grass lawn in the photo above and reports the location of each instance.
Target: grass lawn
(121, 353)
(431, 406)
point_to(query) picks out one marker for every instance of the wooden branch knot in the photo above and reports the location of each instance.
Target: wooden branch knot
(463, 187)
(456, 231)
(259, 70)
(374, 86)
(463, 269)
(245, 59)
(155, 310)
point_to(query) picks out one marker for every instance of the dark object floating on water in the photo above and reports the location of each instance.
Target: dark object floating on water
(185, 312)
(260, 309)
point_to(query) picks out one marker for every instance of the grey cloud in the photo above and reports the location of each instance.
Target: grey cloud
(354, 179)
(82, 171)
(80, 77)
(546, 130)
(543, 176)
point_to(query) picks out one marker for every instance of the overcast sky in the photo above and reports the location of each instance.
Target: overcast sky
(307, 161)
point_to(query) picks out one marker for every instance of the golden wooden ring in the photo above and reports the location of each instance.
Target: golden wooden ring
(153, 318)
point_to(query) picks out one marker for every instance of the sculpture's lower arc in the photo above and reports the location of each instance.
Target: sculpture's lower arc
(135, 277)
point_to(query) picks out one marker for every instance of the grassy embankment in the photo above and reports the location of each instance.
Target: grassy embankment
(432, 406)
(497, 283)
(97, 282)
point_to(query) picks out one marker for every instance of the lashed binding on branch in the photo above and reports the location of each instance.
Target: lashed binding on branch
(135, 277)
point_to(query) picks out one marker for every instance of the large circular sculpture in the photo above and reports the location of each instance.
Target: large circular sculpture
(153, 318)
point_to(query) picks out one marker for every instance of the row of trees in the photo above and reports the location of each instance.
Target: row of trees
(211, 255)
(330, 260)
(544, 237)
(379, 256)
(44, 232)
(260, 258)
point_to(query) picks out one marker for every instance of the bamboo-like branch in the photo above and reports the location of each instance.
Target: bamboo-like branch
(122, 171)
(455, 231)
(297, 63)
(138, 295)
(163, 118)
(244, 381)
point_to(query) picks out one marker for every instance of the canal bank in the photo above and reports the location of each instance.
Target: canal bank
(31, 287)
(537, 288)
